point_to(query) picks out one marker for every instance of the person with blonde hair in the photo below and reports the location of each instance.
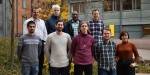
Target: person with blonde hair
(50, 23)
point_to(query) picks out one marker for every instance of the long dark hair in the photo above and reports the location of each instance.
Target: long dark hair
(80, 24)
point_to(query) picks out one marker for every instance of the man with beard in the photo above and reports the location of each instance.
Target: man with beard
(29, 48)
(57, 50)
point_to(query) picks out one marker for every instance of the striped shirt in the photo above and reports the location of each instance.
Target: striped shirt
(105, 54)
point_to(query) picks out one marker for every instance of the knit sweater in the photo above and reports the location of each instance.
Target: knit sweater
(29, 48)
(126, 51)
(57, 48)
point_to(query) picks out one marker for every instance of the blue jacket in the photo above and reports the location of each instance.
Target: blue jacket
(50, 23)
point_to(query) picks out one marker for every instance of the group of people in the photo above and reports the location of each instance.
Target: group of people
(76, 41)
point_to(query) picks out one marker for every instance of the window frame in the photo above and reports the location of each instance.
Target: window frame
(24, 4)
(117, 6)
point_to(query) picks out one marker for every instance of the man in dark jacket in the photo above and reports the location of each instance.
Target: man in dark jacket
(72, 25)
(50, 23)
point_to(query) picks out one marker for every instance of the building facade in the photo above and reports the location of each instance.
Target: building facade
(5, 17)
(126, 15)
(22, 12)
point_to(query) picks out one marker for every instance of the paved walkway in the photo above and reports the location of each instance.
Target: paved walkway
(140, 43)
(144, 53)
(143, 74)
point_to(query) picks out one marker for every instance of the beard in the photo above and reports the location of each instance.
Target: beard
(59, 30)
(31, 31)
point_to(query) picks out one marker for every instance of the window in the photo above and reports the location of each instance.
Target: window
(24, 3)
(79, 7)
(111, 5)
(136, 4)
(115, 5)
(108, 5)
(127, 4)
(23, 19)
(0, 1)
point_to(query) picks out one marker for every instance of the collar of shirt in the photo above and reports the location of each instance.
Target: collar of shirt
(106, 42)
(75, 21)
(96, 21)
(34, 19)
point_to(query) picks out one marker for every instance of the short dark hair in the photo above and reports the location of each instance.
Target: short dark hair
(30, 22)
(95, 10)
(122, 34)
(60, 20)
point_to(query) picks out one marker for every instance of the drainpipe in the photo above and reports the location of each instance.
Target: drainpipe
(4, 18)
(120, 15)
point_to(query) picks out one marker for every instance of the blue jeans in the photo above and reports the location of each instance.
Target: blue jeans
(28, 69)
(106, 72)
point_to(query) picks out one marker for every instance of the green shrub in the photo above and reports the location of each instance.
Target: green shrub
(6, 67)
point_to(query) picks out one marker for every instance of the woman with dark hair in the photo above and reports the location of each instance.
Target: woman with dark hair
(82, 50)
(127, 55)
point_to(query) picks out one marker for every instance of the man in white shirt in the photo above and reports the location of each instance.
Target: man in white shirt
(57, 50)
(40, 31)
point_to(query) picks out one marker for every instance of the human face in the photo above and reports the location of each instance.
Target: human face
(84, 28)
(106, 34)
(95, 15)
(124, 38)
(56, 11)
(59, 26)
(75, 16)
(35, 13)
(31, 28)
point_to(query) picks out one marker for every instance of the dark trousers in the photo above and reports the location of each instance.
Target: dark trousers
(123, 67)
(41, 59)
(79, 69)
(59, 71)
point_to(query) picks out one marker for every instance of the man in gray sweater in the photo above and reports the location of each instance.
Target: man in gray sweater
(57, 50)
(29, 48)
